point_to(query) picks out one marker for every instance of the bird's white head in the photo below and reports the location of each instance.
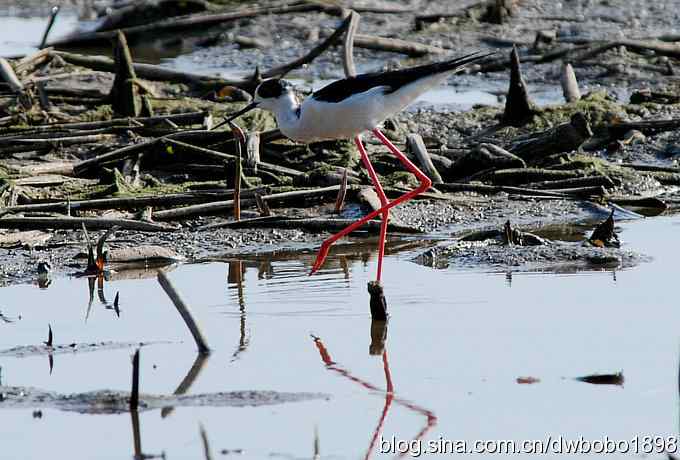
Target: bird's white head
(272, 94)
(275, 94)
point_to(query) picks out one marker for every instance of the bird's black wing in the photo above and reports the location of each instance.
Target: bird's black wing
(393, 80)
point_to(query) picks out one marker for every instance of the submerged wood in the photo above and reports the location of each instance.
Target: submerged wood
(378, 304)
(185, 312)
(134, 393)
(75, 223)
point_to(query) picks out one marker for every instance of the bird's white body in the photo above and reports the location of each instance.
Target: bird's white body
(316, 120)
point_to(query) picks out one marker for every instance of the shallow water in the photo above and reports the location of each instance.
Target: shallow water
(457, 341)
(21, 35)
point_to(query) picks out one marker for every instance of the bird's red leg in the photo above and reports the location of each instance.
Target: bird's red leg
(383, 202)
(323, 251)
(425, 183)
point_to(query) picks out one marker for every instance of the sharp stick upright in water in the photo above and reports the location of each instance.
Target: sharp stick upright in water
(518, 108)
(206, 443)
(134, 394)
(185, 312)
(50, 23)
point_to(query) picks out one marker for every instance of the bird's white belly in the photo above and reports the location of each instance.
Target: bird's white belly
(327, 120)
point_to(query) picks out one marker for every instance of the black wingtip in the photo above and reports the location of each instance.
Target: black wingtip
(463, 61)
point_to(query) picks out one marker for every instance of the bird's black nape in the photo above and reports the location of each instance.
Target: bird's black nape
(272, 88)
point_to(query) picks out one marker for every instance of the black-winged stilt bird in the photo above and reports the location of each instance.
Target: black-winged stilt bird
(347, 108)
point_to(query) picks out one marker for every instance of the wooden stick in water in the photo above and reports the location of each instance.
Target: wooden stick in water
(134, 394)
(185, 312)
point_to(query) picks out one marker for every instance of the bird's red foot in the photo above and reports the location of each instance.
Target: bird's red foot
(320, 257)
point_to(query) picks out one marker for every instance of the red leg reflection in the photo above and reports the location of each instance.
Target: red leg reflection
(431, 419)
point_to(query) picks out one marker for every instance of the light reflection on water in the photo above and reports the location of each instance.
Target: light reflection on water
(456, 342)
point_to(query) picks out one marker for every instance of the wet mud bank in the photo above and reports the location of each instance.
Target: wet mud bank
(110, 143)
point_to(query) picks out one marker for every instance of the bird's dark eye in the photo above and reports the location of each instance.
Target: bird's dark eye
(272, 88)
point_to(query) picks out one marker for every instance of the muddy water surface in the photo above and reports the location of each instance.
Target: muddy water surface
(456, 343)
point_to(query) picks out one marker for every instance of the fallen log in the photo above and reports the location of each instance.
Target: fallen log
(29, 63)
(664, 178)
(495, 189)
(590, 181)
(75, 223)
(263, 166)
(137, 202)
(134, 149)
(314, 224)
(180, 119)
(395, 45)
(86, 165)
(528, 175)
(562, 138)
(273, 199)
(654, 168)
(646, 127)
(29, 145)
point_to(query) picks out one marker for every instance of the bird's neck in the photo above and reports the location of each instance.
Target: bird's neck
(287, 111)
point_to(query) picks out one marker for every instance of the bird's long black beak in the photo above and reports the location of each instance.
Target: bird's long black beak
(235, 115)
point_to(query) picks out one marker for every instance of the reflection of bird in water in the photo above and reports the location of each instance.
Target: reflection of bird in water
(346, 109)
